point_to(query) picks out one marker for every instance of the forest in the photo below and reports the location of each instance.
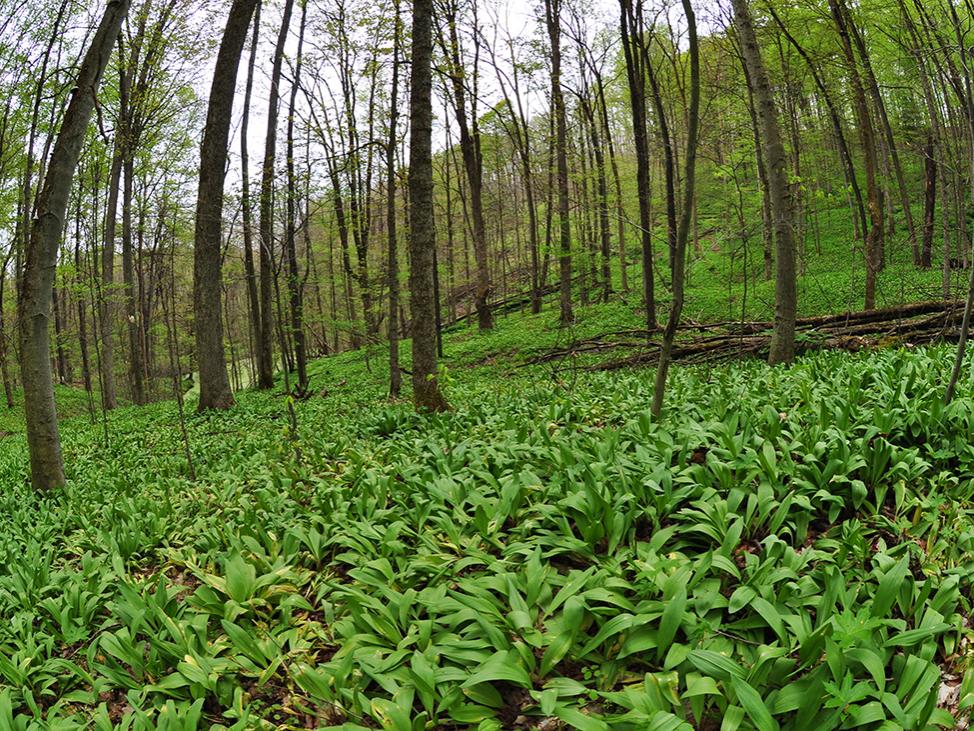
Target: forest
(486, 364)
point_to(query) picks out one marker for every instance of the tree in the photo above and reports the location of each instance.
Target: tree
(265, 343)
(215, 392)
(422, 232)
(779, 190)
(689, 200)
(470, 149)
(395, 372)
(34, 304)
(867, 137)
(250, 272)
(634, 49)
(552, 14)
(294, 283)
(519, 130)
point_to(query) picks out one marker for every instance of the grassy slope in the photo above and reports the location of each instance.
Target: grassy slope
(542, 553)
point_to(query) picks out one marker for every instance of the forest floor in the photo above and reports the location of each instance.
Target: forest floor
(787, 548)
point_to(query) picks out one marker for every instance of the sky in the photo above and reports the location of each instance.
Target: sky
(500, 17)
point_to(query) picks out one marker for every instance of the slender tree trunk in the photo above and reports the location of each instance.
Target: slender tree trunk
(689, 199)
(137, 367)
(767, 218)
(108, 395)
(395, 374)
(79, 284)
(250, 273)
(779, 190)
(553, 22)
(633, 49)
(265, 371)
(63, 364)
(8, 388)
(294, 284)
(473, 166)
(874, 237)
(34, 304)
(887, 129)
(422, 233)
(215, 392)
(617, 183)
(844, 152)
(602, 189)
(929, 202)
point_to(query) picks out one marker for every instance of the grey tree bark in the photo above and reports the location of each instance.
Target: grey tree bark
(395, 373)
(422, 231)
(295, 285)
(265, 356)
(683, 229)
(253, 298)
(109, 398)
(552, 9)
(776, 162)
(47, 228)
(215, 392)
(472, 162)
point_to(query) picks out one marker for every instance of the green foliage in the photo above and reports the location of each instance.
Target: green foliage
(789, 549)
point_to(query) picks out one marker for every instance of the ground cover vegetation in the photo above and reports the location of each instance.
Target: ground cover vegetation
(593, 364)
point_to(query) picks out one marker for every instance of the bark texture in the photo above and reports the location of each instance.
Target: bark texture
(47, 228)
(779, 192)
(422, 232)
(215, 392)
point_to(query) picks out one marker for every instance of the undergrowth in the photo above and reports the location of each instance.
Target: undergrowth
(788, 548)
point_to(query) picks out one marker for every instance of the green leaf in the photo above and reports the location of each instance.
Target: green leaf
(733, 718)
(557, 649)
(671, 619)
(241, 579)
(503, 665)
(752, 703)
(700, 685)
(715, 665)
(889, 587)
(582, 721)
(770, 615)
(741, 597)
(911, 637)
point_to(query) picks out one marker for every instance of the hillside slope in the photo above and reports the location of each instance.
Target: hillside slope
(544, 556)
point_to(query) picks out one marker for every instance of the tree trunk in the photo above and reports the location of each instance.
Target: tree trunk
(215, 392)
(633, 49)
(473, 166)
(8, 386)
(250, 273)
(881, 112)
(422, 233)
(294, 284)
(63, 364)
(34, 305)
(265, 358)
(137, 366)
(553, 22)
(395, 374)
(107, 285)
(82, 312)
(602, 188)
(776, 162)
(767, 219)
(929, 202)
(689, 199)
(874, 237)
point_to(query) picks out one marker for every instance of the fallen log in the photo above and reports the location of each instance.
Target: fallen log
(918, 323)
